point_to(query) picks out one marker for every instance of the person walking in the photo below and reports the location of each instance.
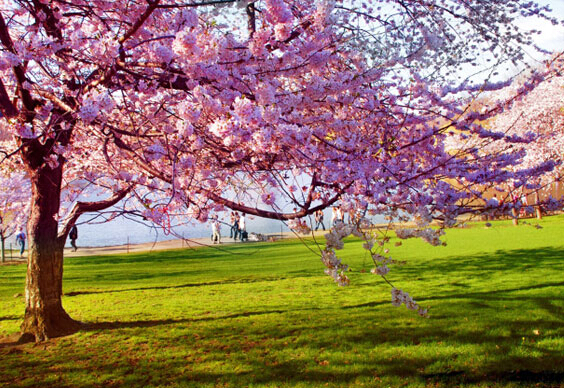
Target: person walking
(232, 223)
(243, 228)
(216, 230)
(73, 235)
(319, 219)
(235, 227)
(20, 239)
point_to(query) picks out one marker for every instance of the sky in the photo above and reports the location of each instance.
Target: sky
(552, 37)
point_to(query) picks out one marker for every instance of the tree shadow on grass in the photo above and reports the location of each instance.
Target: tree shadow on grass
(479, 297)
(9, 318)
(13, 341)
(544, 370)
(179, 286)
(506, 261)
(538, 379)
(287, 373)
(261, 368)
(188, 285)
(95, 326)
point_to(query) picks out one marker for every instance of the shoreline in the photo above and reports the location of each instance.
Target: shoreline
(176, 244)
(156, 246)
(179, 243)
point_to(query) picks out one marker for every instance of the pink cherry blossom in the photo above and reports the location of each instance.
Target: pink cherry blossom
(172, 113)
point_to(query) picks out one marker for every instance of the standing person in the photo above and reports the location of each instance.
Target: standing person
(494, 203)
(514, 206)
(20, 239)
(232, 223)
(235, 226)
(73, 235)
(319, 219)
(333, 215)
(216, 230)
(242, 228)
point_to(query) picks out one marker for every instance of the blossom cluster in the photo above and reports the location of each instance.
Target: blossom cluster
(400, 297)
(337, 269)
(299, 226)
(430, 235)
(381, 270)
(94, 104)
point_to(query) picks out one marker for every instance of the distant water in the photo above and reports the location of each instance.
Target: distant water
(123, 231)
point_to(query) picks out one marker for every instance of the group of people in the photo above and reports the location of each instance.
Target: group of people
(21, 238)
(337, 216)
(237, 230)
(238, 226)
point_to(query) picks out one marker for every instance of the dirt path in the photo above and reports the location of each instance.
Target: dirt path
(124, 249)
(146, 247)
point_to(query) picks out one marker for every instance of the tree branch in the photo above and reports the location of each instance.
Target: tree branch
(152, 6)
(306, 210)
(28, 102)
(80, 208)
(251, 19)
(6, 106)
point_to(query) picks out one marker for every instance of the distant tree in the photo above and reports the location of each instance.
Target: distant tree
(534, 116)
(540, 115)
(173, 110)
(14, 206)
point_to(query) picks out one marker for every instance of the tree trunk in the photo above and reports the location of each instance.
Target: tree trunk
(44, 314)
(538, 205)
(3, 249)
(515, 214)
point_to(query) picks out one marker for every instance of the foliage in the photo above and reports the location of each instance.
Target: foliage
(262, 315)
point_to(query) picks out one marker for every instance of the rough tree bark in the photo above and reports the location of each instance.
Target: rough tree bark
(44, 314)
(538, 205)
(515, 216)
(3, 239)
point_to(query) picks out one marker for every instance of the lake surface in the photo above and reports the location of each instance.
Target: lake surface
(123, 231)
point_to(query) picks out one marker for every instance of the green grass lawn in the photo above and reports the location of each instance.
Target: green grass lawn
(265, 315)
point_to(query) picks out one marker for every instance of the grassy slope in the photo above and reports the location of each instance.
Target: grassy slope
(265, 315)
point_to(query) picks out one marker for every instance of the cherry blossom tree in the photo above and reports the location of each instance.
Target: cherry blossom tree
(541, 115)
(535, 115)
(180, 109)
